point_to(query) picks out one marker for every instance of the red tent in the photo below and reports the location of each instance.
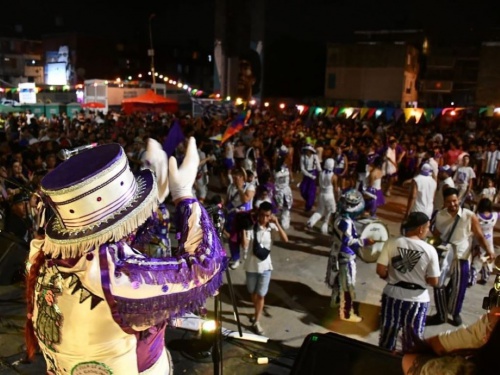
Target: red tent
(149, 102)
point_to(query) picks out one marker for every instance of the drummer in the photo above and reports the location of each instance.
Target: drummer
(408, 264)
(341, 269)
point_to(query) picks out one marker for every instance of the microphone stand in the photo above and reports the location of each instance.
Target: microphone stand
(217, 347)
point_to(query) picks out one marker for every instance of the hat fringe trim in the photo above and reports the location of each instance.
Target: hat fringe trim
(79, 246)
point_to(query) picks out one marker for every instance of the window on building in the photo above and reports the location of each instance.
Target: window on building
(332, 80)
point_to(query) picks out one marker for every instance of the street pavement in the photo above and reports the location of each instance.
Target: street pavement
(297, 304)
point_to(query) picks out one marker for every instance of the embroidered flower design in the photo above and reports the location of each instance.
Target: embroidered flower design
(49, 297)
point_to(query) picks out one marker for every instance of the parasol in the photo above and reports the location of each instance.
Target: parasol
(93, 105)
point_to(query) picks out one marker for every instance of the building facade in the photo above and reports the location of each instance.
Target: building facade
(363, 74)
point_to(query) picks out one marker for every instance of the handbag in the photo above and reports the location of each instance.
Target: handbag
(258, 250)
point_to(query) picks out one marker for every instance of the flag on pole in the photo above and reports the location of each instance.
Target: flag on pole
(235, 127)
(174, 138)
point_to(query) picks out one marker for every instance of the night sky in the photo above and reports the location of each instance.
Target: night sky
(191, 21)
(296, 30)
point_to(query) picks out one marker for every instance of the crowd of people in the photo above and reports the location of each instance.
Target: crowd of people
(344, 169)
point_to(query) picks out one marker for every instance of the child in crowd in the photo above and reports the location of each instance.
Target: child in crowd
(489, 191)
(480, 269)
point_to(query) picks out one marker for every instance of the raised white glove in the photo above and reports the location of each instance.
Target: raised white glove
(156, 157)
(182, 179)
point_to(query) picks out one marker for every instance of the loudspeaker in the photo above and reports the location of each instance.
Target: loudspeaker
(332, 354)
(13, 255)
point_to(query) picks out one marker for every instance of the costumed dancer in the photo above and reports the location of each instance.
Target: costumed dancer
(96, 305)
(479, 263)
(310, 167)
(250, 162)
(228, 162)
(372, 188)
(326, 201)
(238, 204)
(341, 166)
(283, 192)
(341, 269)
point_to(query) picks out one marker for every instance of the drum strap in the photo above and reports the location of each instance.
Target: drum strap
(457, 217)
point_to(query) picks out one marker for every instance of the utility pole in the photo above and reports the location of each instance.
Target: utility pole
(151, 52)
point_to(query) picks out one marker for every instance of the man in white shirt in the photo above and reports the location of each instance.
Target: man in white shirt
(445, 180)
(449, 298)
(258, 266)
(422, 192)
(408, 264)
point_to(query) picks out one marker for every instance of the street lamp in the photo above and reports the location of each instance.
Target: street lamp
(151, 52)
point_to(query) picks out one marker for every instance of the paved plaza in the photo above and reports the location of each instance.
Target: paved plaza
(297, 305)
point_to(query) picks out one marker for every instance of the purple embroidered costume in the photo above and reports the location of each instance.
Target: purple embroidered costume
(310, 167)
(101, 306)
(341, 269)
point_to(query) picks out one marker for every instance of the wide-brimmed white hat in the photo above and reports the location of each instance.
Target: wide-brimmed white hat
(96, 199)
(308, 147)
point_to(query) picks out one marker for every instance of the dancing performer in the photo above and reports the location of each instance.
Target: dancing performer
(341, 269)
(238, 204)
(341, 166)
(283, 192)
(326, 201)
(96, 305)
(310, 167)
(372, 188)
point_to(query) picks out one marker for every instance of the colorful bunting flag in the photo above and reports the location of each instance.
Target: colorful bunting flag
(370, 113)
(363, 112)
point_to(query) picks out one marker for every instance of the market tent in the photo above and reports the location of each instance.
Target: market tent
(149, 102)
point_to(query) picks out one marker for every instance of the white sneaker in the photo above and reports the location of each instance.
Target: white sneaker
(258, 328)
(353, 318)
(234, 265)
